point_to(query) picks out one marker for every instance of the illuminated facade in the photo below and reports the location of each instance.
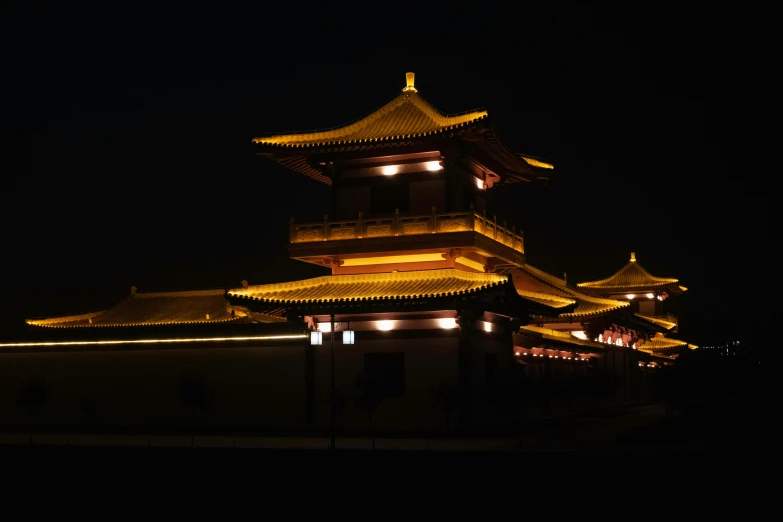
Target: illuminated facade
(428, 300)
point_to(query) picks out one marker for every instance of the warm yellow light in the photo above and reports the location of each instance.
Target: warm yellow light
(383, 260)
(409, 79)
(385, 326)
(479, 183)
(447, 323)
(650, 295)
(433, 166)
(630, 296)
(324, 327)
(537, 163)
(516, 353)
(390, 170)
(470, 263)
(156, 341)
(487, 326)
(580, 335)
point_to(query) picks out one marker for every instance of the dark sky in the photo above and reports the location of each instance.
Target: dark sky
(126, 133)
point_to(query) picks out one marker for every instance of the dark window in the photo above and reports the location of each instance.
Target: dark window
(389, 193)
(491, 369)
(647, 307)
(352, 200)
(427, 194)
(388, 370)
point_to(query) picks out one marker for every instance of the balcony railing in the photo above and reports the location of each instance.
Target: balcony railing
(406, 226)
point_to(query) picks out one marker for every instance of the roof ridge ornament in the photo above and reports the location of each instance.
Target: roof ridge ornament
(633, 257)
(409, 79)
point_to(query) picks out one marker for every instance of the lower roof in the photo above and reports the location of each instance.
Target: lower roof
(153, 308)
(368, 287)
(537, 285)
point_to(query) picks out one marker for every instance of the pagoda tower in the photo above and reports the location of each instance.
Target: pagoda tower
(408, 190)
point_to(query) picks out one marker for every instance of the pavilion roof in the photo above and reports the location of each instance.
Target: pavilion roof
(631, 277)
(407, 115)
(405, 119)
(663, 322)
(537, 285)
(370, 287)
(661, 343)
(152, 308)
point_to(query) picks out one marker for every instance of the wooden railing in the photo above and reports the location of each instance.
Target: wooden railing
(397, 225)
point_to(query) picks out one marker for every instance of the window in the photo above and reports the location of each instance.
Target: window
(387, 369)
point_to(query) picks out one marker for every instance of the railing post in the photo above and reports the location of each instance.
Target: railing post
(434, 220)
(396, 222)
(359, 227)
(326, 227)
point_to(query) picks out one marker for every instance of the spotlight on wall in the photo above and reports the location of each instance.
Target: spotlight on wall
(433, 165)
(390, 170)
(447, 323)
(385, 326)
(650, 295)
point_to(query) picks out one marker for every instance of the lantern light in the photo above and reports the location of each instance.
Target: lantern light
(316, 338)
(348, 335)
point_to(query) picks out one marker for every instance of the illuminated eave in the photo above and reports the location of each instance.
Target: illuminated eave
(42, 323)
(406, 116)
(367, 141)
(663, 323)
(373, 287)
(537, 163)
(590, 306)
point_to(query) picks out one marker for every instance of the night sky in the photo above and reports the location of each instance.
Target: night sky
(126, 137)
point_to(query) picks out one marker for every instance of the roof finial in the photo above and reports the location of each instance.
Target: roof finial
(409, 77)
(633, 257)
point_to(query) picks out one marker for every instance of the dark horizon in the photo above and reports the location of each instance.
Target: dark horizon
(131, 149)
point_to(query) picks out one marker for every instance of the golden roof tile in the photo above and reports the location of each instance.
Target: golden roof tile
(660, 342)
(530, 279)
(154, 308)
(630, 277)
(406, 116)
(660, 321)
(392, 285)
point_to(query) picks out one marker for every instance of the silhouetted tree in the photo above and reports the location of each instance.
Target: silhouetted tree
(194, 395)
(447, 397)
(371, 395)
(30, 396)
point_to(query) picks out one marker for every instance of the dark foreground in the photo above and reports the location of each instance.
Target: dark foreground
(638, 431)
